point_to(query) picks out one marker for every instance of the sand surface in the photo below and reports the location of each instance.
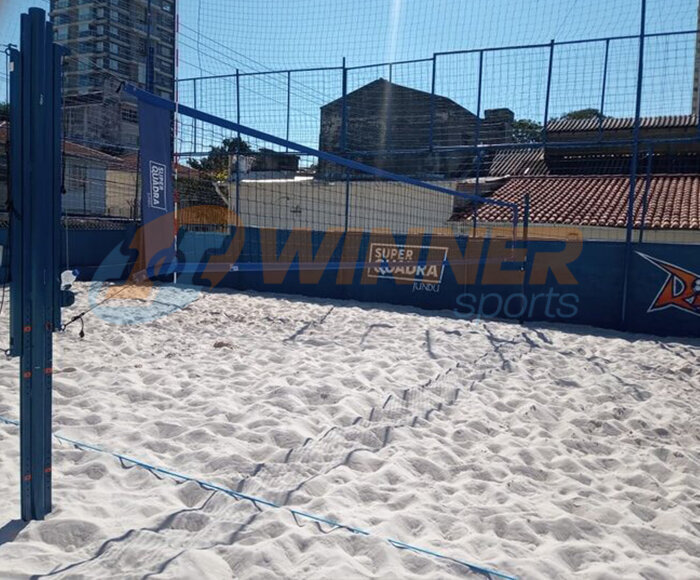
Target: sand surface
(542, 451)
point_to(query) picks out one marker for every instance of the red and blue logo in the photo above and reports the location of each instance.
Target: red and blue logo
(681, 289)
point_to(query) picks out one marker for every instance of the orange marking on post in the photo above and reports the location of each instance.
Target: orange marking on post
(27, 374)
(27, 329)
(27, 477)
(48, 371)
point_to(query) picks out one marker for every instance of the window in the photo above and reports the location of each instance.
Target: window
(130, 115)
(167, 6)
(76, 178)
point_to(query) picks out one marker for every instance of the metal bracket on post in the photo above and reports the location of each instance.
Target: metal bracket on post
(35, 154)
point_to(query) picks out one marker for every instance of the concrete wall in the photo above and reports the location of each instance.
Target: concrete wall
(321, 205)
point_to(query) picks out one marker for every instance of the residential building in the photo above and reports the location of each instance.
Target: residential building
(110, 42)
(586, 187)
(406, 131)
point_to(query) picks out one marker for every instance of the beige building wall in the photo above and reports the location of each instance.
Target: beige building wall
(122, 196)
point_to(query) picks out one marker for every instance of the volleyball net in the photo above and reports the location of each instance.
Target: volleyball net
(251, 201)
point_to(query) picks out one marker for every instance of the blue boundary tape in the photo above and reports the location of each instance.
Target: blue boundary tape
(257, 502)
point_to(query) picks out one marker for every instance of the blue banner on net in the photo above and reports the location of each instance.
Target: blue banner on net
(157, 241)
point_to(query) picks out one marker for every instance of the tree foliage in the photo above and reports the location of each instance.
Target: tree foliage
(529, 131)
(216, 161)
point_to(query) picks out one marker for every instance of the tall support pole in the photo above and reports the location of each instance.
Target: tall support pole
(238, 145)
(389, 111)
(645, 199)
(633, 164)
(17, 176)
(150, 60)
(477, 132)
(550, 67)
(603, 88)
(526, 226)
(194, 121)
(35, 167)
(289, 103)
(431, 130)
(344, 141)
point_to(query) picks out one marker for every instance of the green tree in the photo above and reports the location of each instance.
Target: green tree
(527, 131)
(4, 111)
(216, 161)
(582, 114)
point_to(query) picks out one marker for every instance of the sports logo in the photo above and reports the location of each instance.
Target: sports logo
(401, 263)
(156, 199)
(681, 289)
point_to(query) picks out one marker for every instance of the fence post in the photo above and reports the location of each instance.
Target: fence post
(645, 198)
(603, 88)
(431, 130)
(289, 102)
(344, 141)
(633, 168)
(35, 105)
(477, 132)
(150, 61)
(194, 121)
(549, 90)
(389, 109)
(238, 146)
(526, 225)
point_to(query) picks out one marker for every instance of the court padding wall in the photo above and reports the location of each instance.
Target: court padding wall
(579, 283)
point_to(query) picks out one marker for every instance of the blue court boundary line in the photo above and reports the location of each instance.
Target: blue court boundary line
(257, 502)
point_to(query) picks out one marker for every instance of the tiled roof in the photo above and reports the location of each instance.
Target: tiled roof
(673, 201)
(72, 149)
(528, 161)
(614, 124)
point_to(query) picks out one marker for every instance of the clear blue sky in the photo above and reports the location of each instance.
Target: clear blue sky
(218, 36)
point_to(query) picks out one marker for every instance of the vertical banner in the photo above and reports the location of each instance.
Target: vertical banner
(156, 247)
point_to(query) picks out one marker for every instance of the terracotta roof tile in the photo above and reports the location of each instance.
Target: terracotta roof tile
(673, 201)
(613, 124)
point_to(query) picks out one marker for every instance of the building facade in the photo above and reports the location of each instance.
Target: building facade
(407, 131)
(111, 42)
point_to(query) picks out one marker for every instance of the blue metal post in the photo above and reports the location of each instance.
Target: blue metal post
(549, 90)
(477, 133)
(289, 102)
(238, 145)
(526, 225)
(602, 92)
(431, 134)
(150, 60)
(389, 110)
(194, 104)
(634, 163)
(645, 199)
(17, 174)
(35, 254)
(344, 111)
(344, 141)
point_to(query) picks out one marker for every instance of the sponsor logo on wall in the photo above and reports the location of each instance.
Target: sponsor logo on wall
(680, 290)
(403, 263)
(157, 192)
